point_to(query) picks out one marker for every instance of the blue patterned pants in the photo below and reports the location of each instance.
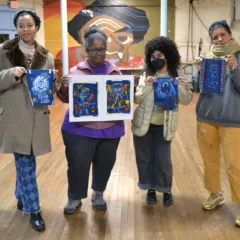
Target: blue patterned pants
(26, 183)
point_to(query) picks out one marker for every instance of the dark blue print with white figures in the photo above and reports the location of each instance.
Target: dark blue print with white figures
(118, 96)
(85, 99)
(165, 94)
(213, 76)
(40, 86)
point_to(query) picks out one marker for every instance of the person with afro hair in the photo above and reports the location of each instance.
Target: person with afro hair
(153, 127)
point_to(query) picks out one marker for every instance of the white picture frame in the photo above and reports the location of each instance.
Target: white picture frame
(99, 83)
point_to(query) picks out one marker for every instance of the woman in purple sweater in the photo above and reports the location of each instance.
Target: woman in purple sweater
(90, 142)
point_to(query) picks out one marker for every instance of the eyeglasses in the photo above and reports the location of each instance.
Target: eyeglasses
(98, 50)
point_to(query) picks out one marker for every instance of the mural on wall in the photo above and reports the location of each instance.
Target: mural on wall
(129, 24)
(125, 26)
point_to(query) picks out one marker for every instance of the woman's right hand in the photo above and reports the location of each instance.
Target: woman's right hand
(65, 84)
(65, 81)
(198, 62)
(19, 72)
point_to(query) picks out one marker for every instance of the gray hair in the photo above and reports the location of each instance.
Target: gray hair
(93, 34)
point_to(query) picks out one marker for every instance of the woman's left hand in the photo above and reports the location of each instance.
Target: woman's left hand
(136, 80)
(182, 81)
(55, 74)
(232, 62)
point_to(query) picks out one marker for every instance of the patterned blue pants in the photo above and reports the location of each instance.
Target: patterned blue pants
(26, 183)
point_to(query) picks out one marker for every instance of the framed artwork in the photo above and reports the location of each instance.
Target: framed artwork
(101, 98)
(165, 94)
(40, 86)
(213, 75)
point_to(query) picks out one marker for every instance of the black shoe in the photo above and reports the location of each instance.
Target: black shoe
(37, 222)
(151, 196)
(20, 205)
(167, 199)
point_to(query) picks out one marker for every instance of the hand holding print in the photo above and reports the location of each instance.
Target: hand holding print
(182, 81)
(65, 84)
(232, 62)
(198, 62)
(149, 81)
(19, 72)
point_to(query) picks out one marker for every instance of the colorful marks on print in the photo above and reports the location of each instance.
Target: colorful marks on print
(118, 96)
(85, 99)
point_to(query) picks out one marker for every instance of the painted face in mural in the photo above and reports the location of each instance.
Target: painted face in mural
(124, 26)
(120, 37)
(26, 29)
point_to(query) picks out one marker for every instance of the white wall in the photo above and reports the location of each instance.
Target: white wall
(209, 11)
(37, 5)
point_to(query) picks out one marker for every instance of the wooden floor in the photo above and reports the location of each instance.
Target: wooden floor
(128, 216)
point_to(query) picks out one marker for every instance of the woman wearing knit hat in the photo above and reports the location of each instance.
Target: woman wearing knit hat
(218, 117)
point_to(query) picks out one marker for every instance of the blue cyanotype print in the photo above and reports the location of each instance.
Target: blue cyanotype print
(40, 86)
(213, 76)
(165, 94)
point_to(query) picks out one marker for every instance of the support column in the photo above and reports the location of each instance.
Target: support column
(164, 16)
(64, 36)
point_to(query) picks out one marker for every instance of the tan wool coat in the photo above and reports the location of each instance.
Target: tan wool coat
(22, 127)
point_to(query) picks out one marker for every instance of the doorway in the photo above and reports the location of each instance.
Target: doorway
(3, 37)
(6, 35)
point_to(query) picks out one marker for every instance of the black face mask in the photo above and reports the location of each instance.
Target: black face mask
(158, 63)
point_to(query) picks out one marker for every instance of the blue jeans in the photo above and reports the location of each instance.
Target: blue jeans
(26, 183)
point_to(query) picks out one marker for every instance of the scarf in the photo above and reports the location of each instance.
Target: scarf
(221, 51)
(28, 52)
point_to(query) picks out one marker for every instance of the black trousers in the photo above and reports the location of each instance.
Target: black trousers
(80, 153)
(153, 157)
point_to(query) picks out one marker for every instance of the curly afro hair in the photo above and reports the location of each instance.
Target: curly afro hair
(169, 49)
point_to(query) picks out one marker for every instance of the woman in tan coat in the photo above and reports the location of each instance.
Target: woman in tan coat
(24, 130)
